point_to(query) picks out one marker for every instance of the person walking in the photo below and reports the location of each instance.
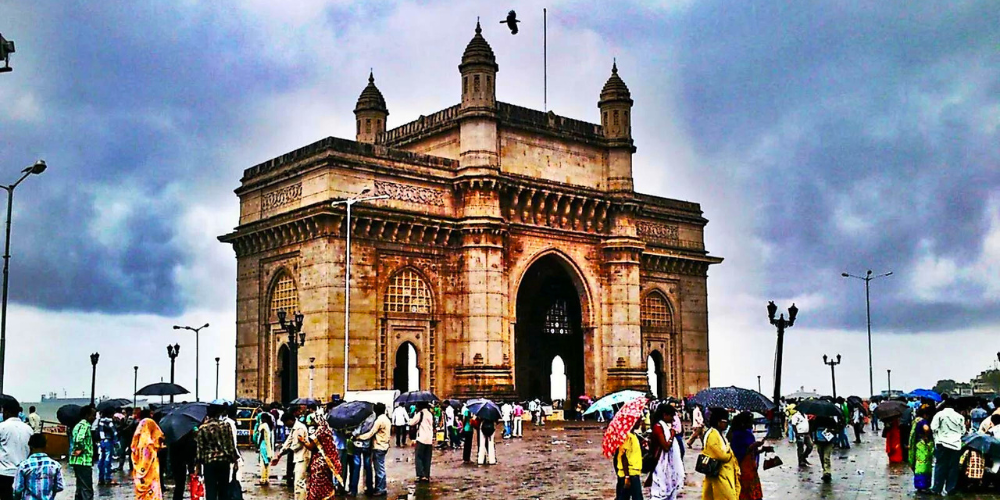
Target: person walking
(628, 466)
(183, 456)
(216, 453)
(81, 454)
(697, 427)
(532, 407)
(38, 477)
(893, 441)
(34, 421)
(229, 418)
(921, 456)
(747, 451)
(14, 448)
(871, 411)
(726, 485)
(843, 442)
(789, 408)
(324, 463)
(667, 479)
(295, 446)
(506, 413)
(948, 426)
(423, 422)
(518, 416)
(399, 418)
(858, 422)
(379, 434)
(107, 435)
(803, 439)
(487, 447)
(146, 444)
(825, 432)
(466, 435)
(450, 432)
(265, 447)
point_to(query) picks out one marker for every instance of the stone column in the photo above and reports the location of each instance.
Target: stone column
(623, 336)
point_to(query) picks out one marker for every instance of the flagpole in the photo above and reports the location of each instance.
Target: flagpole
(545, 60)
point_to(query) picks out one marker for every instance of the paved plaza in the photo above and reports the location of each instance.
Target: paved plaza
(563, 461)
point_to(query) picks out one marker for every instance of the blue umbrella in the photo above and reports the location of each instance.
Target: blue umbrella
(983, 443)
(484, 409)
(733, 397)
(408, 398)
(611, 400)
(925, 394)
(349, 414)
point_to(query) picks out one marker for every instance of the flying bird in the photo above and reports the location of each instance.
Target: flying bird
(511, 22)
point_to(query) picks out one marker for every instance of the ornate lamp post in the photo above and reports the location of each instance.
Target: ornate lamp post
(296, 339)
(833, 374)
(135, 387)
(37, 168)
(172, 352)
(93, 375)
(774, 431)
(868, 311)
(197, 349)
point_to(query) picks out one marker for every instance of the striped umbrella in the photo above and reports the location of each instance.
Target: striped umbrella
(621, 425)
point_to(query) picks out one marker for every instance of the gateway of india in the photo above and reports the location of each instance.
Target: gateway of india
(511, 250)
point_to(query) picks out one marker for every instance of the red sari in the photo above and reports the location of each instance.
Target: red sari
(893, 445)
(324, 467)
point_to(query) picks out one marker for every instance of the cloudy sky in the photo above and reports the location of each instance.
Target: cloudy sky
(818, 137)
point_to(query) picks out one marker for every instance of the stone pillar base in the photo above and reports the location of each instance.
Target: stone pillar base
(626, 378)
(493, 382)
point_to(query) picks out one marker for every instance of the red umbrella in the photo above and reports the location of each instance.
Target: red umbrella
(621, 425)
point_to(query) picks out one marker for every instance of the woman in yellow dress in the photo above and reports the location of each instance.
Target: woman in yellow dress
(725, 486)
(147, 441)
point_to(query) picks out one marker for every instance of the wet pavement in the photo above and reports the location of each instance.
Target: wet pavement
(563, 461)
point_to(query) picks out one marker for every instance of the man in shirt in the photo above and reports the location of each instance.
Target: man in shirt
(14, 435)
(81, 457)
(518, 415)
(803, 441)
(379, 434)
(466, 436)
(39, 477)
(948, 427)
(423, 422)
(449, 425)
(229, 418)
(107, 435)
(399, 418)
(216, 453)
(871, 411)
(34, 421)
(295, 444)
(697, 427)
(362, 458)
(505, 415)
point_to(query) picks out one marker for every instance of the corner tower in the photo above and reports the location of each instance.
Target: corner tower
(370, 112)
(616, 121)
(478, 109)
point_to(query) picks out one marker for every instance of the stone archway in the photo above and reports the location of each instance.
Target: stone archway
(284, 385)
(406, 371)
(655, 374)
(549, 324)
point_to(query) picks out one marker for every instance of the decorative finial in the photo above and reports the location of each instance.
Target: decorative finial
(478, 28)
(614, 66)
(371, 75)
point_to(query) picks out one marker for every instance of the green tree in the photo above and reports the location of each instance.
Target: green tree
(944, 386)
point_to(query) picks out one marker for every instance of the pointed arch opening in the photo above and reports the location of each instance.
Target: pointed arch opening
(655, 375)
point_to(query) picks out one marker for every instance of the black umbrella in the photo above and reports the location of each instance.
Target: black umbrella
(182, 419)
(733, 397)
(820, 408)
(889, 410)
(349, 414)
(113, 404)
(416, 397)
(983, 443)
(249, 402)
(162, 389)
(484, 409)
(68, 415)
(304, 402)
(853, 401)
(454, 403)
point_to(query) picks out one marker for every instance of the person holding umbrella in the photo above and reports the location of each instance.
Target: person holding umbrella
(825, 430)
(423, 422)
(216, 453)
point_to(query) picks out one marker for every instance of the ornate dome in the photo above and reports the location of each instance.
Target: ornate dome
(615, 89)
(371, 98)
(478, 51)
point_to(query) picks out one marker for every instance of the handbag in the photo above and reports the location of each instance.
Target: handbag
(707, 465)
(771, 461)
(197, 487)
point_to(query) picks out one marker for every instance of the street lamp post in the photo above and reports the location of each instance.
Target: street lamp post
(197, 349)
(296, 339)
(37, 168)
(347, 275)
(833, 375)
(774, 431)
(135, 387)
(868, 311)
(312, 369)
(172, 352)
(217, 378)
(888, 374)
(93, 375)
(758, 385)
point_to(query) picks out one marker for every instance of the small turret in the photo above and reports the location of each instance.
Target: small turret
(371, 112)
(479, 70)
(616, 106)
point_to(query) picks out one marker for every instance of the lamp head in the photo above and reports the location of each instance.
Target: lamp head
(869, 272)
(136, 368)
(37, 168)
(302, 338)
(845, 275)
(176, 327)
(299, 318)
(281, 317)
(838, 358)
(205, 325)
(792, 312)
(824, 358)
(94, 358)
(217, 359)
(771, 310)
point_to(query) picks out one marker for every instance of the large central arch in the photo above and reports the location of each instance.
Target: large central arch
(551, 312)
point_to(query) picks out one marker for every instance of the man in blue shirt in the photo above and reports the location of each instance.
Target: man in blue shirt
(108, 437)
(39, 477)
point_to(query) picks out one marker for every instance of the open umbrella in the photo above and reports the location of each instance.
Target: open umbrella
(349, 414)
(68, 415)
(733, 397)
(484, 409)
(182, 419)
(249, 403)
(983, 443)
(820, 408)
(889, 410)
(304, 402)
(622, 424)
(454, 403)
(162, 389)
(611, 400)
(407, 398)
(113, 404)
(924, 394)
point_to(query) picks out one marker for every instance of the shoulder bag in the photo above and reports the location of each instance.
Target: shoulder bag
(707, 465)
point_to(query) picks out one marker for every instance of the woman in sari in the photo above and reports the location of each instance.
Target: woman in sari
(262, 436)
(921, 457)
(893, 443)
(324, 466)
(667, 478)
(147, 441)
(725, 486)
(747, 449)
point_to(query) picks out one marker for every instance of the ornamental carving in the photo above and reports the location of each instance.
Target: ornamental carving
(652, 230)
(280, 197)
(412, 194)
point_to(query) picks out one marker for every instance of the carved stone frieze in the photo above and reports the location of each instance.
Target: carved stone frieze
(667, 233)
(413, 194)
(281, 197)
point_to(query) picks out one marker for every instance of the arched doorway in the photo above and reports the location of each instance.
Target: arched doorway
(557, 380)
(654, 374)
(284, 374)
(405, 374)
(548, 328)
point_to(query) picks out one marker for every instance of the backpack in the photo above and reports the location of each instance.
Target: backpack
(488, 427)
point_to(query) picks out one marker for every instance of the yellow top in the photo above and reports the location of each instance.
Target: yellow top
(727, 485)
(630, 448)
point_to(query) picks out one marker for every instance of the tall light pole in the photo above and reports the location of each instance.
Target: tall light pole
(774, 431)
(37, 168)
(758, 385)
(347, 275)
(93, 375)
(312, 368)
(888, 374)
(296, 339)
(833, 375)
(172, 352)
(197, 349)
(217, 378)
(868, 310)
(135, 387)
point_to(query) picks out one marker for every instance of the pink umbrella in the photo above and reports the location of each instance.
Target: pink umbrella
(621, 425)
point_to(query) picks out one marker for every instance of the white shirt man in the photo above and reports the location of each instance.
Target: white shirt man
(506, 410)
(948, 427)
(14, 435)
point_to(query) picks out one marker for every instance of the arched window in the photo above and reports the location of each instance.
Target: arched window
(284, 295)
(408, 293)
(556, 319)
(656, 315)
